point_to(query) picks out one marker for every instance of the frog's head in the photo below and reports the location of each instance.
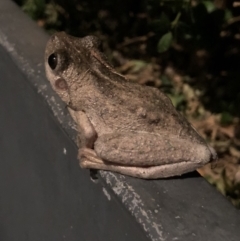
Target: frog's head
(72, 62)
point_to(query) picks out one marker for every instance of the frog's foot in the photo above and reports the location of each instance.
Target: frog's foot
(86, 155)
(154, 172)
(89, 159)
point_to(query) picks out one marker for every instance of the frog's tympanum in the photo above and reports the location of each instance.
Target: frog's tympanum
(123, 126)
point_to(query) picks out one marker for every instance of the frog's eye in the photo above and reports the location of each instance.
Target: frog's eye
(61, 84)
(53, 61)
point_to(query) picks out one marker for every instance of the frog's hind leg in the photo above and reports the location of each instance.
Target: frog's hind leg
(88, 155)
(94, 162)
(89, 159)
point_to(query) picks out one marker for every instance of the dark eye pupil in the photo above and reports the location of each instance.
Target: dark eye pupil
(52, 61)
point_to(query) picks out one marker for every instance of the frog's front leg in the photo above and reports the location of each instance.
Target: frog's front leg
(86, 132)
(87, 136)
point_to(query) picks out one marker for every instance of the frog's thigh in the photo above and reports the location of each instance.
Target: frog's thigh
(131, 149)
(141, 149)
(89, 159)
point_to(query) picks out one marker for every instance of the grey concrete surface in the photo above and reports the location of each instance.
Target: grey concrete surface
(43, 193)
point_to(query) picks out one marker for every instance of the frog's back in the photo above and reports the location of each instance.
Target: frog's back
(128, 106)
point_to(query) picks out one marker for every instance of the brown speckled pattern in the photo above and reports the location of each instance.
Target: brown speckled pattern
(131, 129)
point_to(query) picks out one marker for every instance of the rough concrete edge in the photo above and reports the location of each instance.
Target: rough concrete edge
(118, 183)
(132, 200)
(34, 75)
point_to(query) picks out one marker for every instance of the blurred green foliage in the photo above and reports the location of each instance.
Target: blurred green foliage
(199, 38)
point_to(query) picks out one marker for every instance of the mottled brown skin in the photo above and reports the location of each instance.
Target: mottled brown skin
(123, 126)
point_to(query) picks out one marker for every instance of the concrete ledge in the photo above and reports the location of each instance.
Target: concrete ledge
(46, 196)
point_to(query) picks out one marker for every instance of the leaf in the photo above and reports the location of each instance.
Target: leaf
(137, 65)
(226, 118)
(176, 20)
(177, 100)
(228, 15)
(165, 42)
(210, 6)
(34, 8)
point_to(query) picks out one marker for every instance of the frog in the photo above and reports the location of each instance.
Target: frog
(122, 126)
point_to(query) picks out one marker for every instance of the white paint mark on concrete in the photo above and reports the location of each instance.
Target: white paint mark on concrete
(135, 205)
(106, 194)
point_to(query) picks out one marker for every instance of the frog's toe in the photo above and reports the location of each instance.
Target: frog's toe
(88, 158)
